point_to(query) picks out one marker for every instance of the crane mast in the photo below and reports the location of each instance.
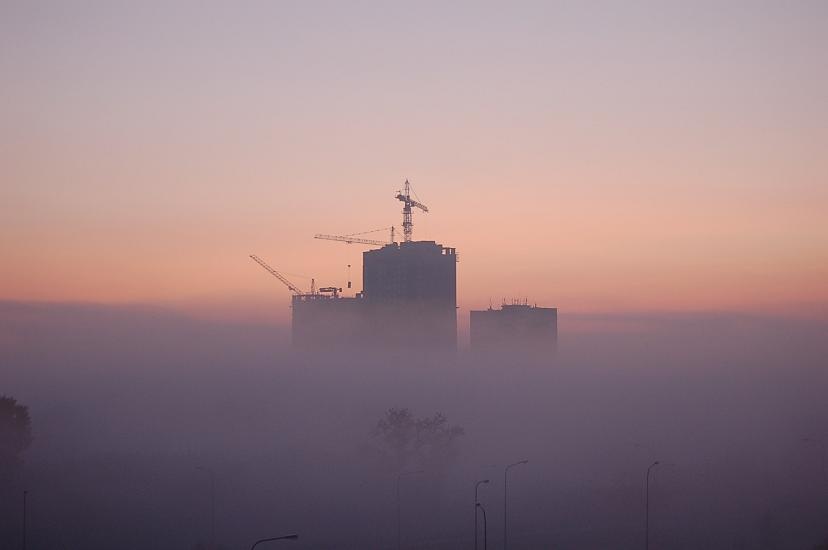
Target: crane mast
(408, 202)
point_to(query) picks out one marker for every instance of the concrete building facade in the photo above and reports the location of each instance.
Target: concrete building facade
(409, 301)
(326, 322)
(410, 294)
(514, 328)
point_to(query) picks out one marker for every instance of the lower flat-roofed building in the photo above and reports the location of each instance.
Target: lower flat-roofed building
(515, 327)
(409, 302)
(327, 322)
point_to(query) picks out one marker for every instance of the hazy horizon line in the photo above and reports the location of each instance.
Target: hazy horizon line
(818, 313)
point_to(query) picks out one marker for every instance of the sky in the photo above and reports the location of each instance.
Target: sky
(592, 156)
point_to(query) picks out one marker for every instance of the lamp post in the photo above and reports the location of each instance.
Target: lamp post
(505, 500)
(399, 513)
(485, 527)
(647, 507)
(212, 503)
(476, 486)
(284, 537)
(25, 494)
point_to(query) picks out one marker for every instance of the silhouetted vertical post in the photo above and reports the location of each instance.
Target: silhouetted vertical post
(647, 507)
(399, 513)
(212, 504)
(25, 494)
(476, 485)
(485, 527)
(505, 500)
(213, 508)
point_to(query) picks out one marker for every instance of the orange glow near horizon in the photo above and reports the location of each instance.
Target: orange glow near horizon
(633, 167)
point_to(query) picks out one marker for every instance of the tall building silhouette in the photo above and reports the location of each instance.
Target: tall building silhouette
(410, 294)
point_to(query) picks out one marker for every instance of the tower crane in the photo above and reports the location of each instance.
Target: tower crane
(353, 238)
(349, 240)
(408, 202)
(293, 288)
(408, 224)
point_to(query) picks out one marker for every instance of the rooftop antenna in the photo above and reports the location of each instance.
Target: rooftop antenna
(408, 202)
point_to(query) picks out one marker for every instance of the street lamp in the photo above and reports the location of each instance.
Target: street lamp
(25, 494)
(476, 504)
(285, 537)
(647, 507)
(212, 503)
(505, 501)
(399, 513)
(485, 527)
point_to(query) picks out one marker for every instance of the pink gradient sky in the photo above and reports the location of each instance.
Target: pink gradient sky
(591, 156)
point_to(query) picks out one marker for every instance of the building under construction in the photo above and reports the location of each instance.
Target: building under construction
(410, 294)
(408, 301)
(516, 327)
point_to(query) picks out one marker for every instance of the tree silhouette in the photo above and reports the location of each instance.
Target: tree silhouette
(15, 434)
(422, 442)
